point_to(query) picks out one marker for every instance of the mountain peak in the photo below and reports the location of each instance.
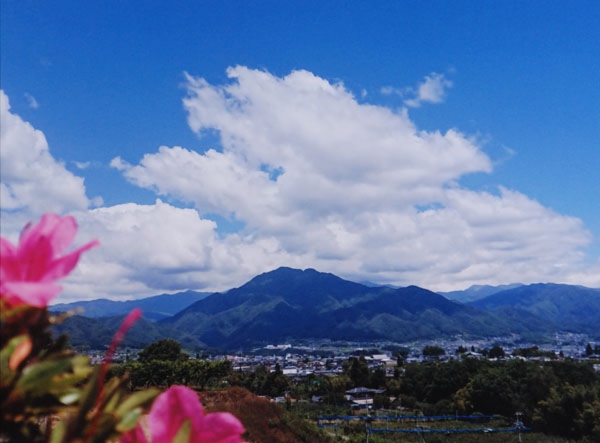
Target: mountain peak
(289, 278)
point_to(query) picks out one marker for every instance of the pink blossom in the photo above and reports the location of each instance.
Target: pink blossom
(28, 270)
(173, 408)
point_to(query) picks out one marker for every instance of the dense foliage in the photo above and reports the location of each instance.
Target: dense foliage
(165, 373)
(165, 349)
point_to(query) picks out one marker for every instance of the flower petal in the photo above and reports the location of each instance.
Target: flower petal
(63, 233)
(9, 265)
(42, 242)
(219, 427)
(27, 270)
(61, 267)
(32, 293)
(7, 249)
(34, 258)
(170, 410)
(32, 233)
(136, 435)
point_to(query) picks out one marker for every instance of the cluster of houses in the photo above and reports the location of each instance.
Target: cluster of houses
(301, 365)
(311, 361)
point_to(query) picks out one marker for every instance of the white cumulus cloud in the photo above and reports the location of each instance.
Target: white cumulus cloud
(313, 178)
(150, 249)
(31, 178)
(354, 188)
(431, 90)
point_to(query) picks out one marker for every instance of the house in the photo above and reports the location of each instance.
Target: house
(362, 398)
(384, 359)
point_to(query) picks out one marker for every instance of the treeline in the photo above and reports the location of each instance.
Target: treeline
(163, 373)
(556, 397)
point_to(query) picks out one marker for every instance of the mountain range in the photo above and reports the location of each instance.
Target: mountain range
(477, 292)
(562, 307)
(297, 305)
(154, 308)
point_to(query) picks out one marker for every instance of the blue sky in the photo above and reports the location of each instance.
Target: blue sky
(435, 143)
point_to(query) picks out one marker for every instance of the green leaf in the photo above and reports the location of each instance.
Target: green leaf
(6, 374)
(67, 381)
(129, 420)
(64, 383)
(81, 365)
(58, 433)
(112, 394)
(135, 400)
(87, 402)
(37, 378)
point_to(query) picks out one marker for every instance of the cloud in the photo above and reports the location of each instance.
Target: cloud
(335, 157)
(472, 238)
(390, 90)
(82, 165)
(353, 188)
(506, 155)
(32, 179)
(150, 249)
(431, 90)
(33, 104)
(313, 178)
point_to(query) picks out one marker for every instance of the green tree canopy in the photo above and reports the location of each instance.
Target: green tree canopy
(589, 350)
(433, 351)
(461, 350)
(497, 352)
(358, 371)
(165, 349)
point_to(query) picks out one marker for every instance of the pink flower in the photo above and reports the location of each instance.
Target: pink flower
(28, 270)
(173, 408)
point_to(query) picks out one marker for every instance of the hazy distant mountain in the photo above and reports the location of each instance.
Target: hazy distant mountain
(153, 308)
(96, 333)
(370, 284)
(565, 307)
(288, 304)
(477, 292)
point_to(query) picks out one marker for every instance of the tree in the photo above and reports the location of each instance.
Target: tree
(401, 356)
(165, 349)
(497, 352)
(378, 378)
(533, 351)
(493, 391)
(589, 350)
(358, 371)
(561, 412)
(277, 383)
(433, 351)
